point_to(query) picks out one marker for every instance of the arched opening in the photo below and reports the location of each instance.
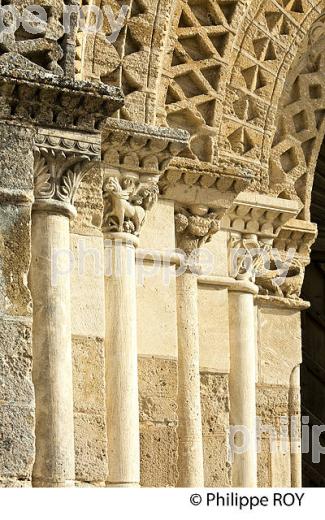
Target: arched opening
(313, 339)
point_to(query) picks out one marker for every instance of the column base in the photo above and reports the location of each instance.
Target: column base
(123, 484)
(38, 483)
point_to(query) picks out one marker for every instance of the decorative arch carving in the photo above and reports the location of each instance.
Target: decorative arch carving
(133, 61)
(300, 123)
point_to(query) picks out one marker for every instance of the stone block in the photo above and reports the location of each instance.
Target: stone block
(214, 328)
(158, 451)
(88, 374)
(90, 448)
(87, 286)
(279, 347)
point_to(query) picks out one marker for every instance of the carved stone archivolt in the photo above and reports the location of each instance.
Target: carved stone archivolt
(46, 47)
(61, 160)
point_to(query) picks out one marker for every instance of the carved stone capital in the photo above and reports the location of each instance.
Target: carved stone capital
(255, 223)
(61, 160)
(246, 254)
(127, 198)
(133, 158)
(195, 225)
(278, 265)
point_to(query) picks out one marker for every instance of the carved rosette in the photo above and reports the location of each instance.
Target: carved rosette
(61, 160)
(194, 226)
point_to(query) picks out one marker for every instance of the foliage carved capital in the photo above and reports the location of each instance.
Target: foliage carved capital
(61, 160)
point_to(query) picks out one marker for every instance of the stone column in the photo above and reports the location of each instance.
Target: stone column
(242, 381)
(295, 429)
(123, 218)
(242, 378)
(56, 178)
(194, 226)
(134, 157)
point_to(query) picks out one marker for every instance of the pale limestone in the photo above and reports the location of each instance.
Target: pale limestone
(255, 115)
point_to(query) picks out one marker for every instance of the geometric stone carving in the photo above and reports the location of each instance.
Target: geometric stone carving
(47, 48)
(300, 123)
(196, 67)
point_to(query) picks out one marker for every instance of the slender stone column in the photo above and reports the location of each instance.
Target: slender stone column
(190, 448)
(242, 382)
(52, 356)
(194, 226)
(57, 174)
(123, 217)
(121, 361)
(295, 430)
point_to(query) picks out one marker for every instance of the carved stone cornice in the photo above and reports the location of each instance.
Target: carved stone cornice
(142, 149)
(195, 225)
(298, 235)
(31, 95)
(133, 159)
(202, 175)
(264, 216)
(61, 160)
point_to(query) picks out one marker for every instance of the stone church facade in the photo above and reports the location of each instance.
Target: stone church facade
(162, 226)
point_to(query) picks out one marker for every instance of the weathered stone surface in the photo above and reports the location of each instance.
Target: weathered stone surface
(217, 470)
(90, 448)
(215, 423)
(157, 390)
(276, 342)
(158, 451)
(16, 388)
(89, 406)
(15, 258)
(17, 441)
(88, 374)
(16, 362)
(89, 204)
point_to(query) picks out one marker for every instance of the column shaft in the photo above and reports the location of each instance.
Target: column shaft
(52, 358)
(295, 430)
(190, 449)
(121, 365)
(242, 387)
